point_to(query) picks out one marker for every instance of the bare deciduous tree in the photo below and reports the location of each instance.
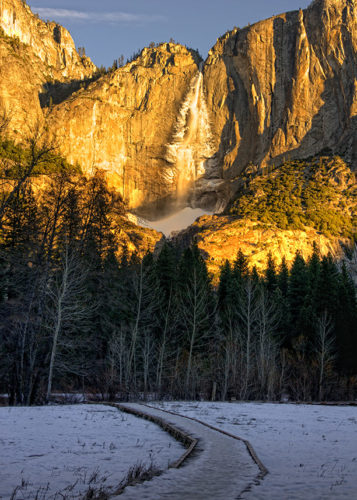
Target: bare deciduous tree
(324, 348)
(166, 323)
(117, 357)
(194, 299)
(142, 308)
(248, 315)
(266, 349)
(64, 307)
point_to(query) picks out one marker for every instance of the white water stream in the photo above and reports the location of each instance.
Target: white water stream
(188, 156)
(192, 142)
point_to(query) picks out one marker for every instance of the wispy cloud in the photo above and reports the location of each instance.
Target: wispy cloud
(96, 17)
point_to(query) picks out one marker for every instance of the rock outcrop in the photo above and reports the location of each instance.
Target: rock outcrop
(285, 87)
(49, 41)
(33, 56)
(220, 237)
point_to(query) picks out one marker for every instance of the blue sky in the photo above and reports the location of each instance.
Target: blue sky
(109, 28)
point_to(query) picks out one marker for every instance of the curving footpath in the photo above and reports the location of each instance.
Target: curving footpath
(219, 465)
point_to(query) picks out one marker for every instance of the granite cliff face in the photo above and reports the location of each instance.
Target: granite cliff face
(285, 87)
(124, 122)
(168, 129)
(33, 56)
(50, 42)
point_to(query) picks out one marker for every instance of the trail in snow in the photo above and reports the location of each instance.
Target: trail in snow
(219, 469)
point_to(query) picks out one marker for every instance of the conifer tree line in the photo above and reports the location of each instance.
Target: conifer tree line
(75, 316)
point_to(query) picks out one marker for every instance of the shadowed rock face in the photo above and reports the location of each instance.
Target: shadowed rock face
(285, 87)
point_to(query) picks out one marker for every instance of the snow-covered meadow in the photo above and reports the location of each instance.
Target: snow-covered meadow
(309, 450)
(67, 449)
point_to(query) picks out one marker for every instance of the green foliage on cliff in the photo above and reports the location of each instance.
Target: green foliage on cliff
(320, 193)
(13, 158)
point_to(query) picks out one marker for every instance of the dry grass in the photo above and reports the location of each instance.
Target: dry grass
(96, 490)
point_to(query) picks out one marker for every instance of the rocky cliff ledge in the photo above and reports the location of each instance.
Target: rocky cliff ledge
(220, 237)
(33, 55)
(50, 41)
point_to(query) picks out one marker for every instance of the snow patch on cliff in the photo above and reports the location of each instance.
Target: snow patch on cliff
(172, 223)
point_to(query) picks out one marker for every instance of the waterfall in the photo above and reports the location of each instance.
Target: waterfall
(191, 144)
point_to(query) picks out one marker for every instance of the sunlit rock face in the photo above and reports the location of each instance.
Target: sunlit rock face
(170, 133)
(51, 43)
(33, 54)
(123, 122)
(219, 237)
(285, 87)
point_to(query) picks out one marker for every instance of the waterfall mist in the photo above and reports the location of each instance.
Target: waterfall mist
(187, 156)
(191, 146)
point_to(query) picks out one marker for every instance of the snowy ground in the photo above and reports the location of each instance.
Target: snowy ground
(52, 448)
(174, 222)
(178, 221)
(310, 450)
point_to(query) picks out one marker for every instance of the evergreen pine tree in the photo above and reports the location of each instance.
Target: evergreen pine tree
(297, 292)
(346, 324)
(167, 303)
(311, 300)
(240, 267)
(283, 278)
(271, 279)
(327, 287)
